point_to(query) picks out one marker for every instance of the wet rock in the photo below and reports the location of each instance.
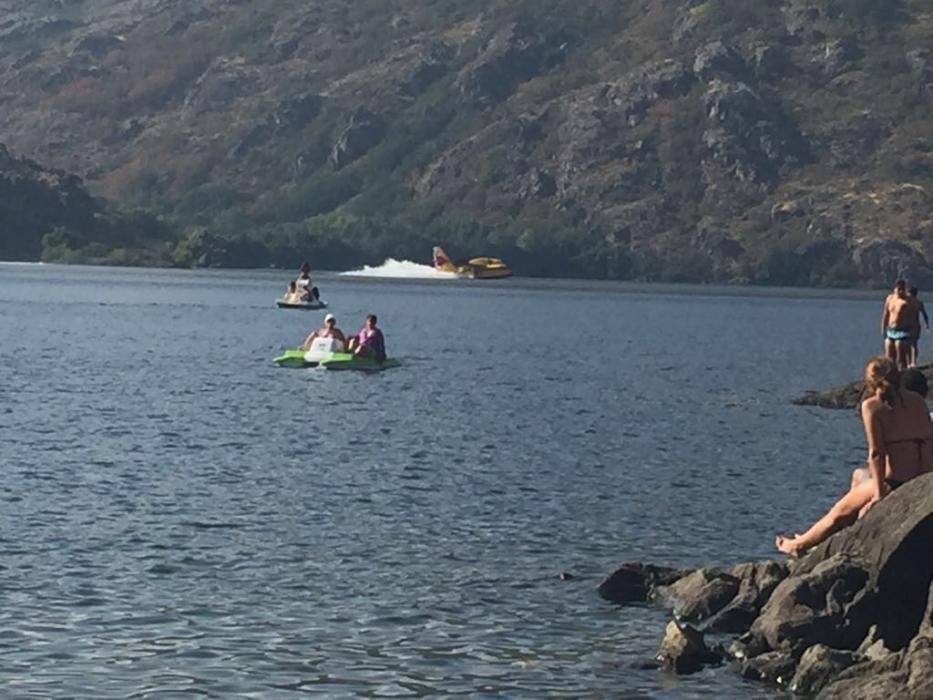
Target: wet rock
(818, 666)
(757, 582)
(702, 594)
(776, 667)
(363, 131)
(634, 582)
(684, 650)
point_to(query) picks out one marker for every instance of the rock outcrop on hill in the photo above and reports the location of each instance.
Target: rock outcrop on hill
(773, 142)
(851, 619)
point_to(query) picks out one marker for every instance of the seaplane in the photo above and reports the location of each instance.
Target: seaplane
(474, 268)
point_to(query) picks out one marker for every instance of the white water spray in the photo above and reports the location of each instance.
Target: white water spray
(401, 269)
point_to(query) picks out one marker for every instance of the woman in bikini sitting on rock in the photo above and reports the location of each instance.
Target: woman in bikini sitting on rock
(900, 447)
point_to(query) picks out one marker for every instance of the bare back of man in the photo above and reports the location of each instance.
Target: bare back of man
(898, 328)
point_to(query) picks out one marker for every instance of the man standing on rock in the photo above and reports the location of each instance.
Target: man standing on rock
(917, 310)
(897, 325)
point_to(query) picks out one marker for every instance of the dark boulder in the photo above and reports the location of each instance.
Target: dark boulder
(892, 545)
(826, 605)
(853, 618)
(700, 595)
(757, 582)
(776, 667)
(684, 650)
(633, 582)
(818, 666)
(879, 679)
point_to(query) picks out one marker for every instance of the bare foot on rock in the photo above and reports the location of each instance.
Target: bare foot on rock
(789, 545)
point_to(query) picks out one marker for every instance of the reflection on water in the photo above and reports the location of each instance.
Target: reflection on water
(181, 517)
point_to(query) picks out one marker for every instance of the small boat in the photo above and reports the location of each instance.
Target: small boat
(475, 268)
(328, 353)
(303, 305)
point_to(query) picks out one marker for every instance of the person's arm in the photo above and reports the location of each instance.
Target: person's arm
(877, 453)
(884, 318)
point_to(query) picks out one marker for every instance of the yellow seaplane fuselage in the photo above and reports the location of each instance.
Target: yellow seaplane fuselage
(474, 268)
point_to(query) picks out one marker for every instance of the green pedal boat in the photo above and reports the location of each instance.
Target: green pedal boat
(298, 358)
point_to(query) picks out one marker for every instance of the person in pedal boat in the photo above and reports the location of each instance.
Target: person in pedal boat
(306, 289)
(329, 330)
(369, 342)
(291, 294)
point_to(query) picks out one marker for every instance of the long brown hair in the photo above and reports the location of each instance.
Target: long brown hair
(881, 375)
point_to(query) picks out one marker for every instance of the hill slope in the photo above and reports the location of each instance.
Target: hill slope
(48, 214)
(769, 141)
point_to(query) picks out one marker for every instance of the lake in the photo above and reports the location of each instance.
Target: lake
(180, 516)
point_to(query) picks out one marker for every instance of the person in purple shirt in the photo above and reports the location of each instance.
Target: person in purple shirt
(369, 342)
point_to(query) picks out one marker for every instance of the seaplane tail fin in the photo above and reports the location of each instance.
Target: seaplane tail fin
(442, 261)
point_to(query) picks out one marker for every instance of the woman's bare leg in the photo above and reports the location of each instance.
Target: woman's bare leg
(858, 476)
(843, 514)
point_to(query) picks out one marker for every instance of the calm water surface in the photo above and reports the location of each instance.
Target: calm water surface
(179, 517)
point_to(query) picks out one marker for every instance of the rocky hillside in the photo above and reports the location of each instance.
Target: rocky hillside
(48, 214)
(774, 141)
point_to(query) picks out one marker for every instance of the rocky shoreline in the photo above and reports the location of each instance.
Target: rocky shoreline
(846, 395)
(853, 619)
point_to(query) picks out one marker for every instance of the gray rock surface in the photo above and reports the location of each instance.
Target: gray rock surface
(634, 582)
(853, 618)
(818, 666)
(684, 650)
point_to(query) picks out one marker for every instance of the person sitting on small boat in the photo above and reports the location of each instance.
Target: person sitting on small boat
(900, 447)
(304, 277)
(329, 330)
(369, 342)
(291, 294)
(309, 294)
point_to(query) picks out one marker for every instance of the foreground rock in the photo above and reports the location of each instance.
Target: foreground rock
(852, 619)
(683, 649)
(847, 395)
